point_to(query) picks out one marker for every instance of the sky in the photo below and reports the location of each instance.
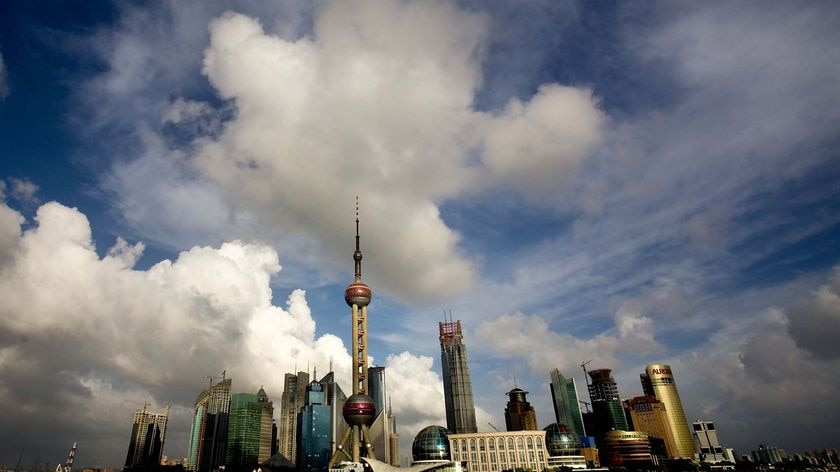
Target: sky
(625, 183)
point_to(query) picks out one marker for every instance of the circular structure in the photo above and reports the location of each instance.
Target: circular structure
(358, 293)
(359, 410)
(431, 444)
(560, 440)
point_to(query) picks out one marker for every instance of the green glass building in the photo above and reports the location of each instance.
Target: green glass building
(249, 429)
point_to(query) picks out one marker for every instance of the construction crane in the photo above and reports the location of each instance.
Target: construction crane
(586, 404)
(497, 429)
(583, 366)
(213, 377)
(69, 464)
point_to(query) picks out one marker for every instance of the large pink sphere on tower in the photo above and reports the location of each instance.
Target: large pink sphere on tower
(359, 410)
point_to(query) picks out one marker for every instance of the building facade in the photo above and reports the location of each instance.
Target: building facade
(608, 413)
(650, 417)
(249, 429)
(291, 401)
(626, 449)
(658, 381)
(457, 387)
(564, 395)
(376, 388)
(491, 452)
(148, 433)
(314, 427)
(208, 436)
(519, 414)
(708, 446)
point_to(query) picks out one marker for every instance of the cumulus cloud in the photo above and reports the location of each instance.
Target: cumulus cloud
(368, 104)
(815, 322)
(84, 339)
(752, 376)
(514, 335)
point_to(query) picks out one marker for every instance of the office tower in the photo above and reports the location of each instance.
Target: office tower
(383, 431)
(566, 404)
(519, 414)
(335, 398)
(249, 429)
(457, 388)
(649, 416)
(658, 381)
(359, 410)
(376, 387)
(606, 404)
(147, 436)
(208, 437)
(314, 428)
(291, 401)
(706, 441)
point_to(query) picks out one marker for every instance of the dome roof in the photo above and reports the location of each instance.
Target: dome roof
(560, 440)
(431, 444)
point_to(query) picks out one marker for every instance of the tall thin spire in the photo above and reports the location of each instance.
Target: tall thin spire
(357, 256)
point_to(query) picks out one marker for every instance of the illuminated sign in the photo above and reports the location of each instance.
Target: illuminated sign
(664, 371)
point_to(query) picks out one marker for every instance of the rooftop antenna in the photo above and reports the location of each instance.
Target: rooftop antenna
(223, 374)
(331, 363)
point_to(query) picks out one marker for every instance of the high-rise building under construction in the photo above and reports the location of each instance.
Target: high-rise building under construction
(291, 401)
(457, 388)
(147, 437)
(208, 437)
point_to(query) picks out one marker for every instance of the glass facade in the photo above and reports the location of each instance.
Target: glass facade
(249, 429)
(606, 404)
(566, 403)
(208, 438)
(431, 444)
(314, 424)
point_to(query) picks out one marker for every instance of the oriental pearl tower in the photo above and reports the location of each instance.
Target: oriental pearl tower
(359, 409)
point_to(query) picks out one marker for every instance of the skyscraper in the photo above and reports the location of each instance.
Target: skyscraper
(314, 428)
(208, 437)
(359, 410)
(519, 414)
(291, 401)
(566, 404)
(383, 431)
(249, 430)
(606, 403)
(649, 416)
(658, 381)
(147, 437)
(376, 387)
(457, 388)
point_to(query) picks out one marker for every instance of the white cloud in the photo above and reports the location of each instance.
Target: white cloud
(378, 102)
(23, 190)
(83, 336)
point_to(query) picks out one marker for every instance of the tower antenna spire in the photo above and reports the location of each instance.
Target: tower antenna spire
(357, 256)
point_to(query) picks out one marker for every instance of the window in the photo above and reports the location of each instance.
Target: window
(710, 426)
(481, 444)
(698, 427)
(530, 442)
(519, 442)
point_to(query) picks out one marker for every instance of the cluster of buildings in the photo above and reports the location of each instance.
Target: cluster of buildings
(321, 428)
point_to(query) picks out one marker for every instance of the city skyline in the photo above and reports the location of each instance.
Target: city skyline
(625, 183)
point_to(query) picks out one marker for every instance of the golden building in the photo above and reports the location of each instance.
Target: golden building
(649, 416)
(658, 382)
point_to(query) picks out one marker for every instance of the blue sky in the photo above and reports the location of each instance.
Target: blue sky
(625, 182)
